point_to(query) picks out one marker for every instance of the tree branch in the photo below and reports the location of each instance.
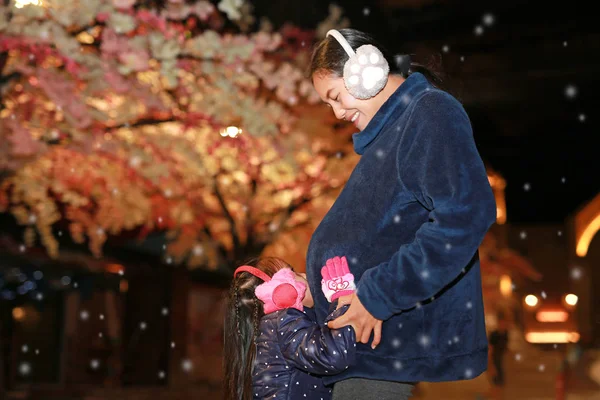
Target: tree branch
(232, 226)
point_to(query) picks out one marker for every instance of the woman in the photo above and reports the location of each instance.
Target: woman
(410, 220)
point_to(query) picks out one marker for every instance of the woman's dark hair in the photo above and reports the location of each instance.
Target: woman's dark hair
(242, 317)
(330, 56)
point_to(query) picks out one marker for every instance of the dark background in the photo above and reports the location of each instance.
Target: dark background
(512, 81)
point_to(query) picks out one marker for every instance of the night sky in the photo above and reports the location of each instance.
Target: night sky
(529, 83)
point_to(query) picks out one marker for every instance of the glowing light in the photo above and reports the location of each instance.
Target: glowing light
(552, 316)
(586, 236)
(23, 3)
(18, 313)
(552, 337)
(505, 285)
(531, 300)
(114, 268)
(571, 299)
(231, 131)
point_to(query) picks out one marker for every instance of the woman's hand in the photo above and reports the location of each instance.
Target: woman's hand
(360, 319)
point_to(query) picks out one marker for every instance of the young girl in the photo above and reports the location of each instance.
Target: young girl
(274, 347)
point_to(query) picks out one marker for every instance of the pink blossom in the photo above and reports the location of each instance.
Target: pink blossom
(136, 60)
(123, 4)
(113, 43)
(203, 9)
(102, 16)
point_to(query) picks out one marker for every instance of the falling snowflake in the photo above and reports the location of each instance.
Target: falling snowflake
(559, 233)
(424, 274)
(424, 340)
(543, 295)
(478, 30)
(353, 260)
(164, 311)
(121, 272)
(161, 374)
(84, 315)
(65, 280)
(397, 219)
(523, 235)
(445, 48)
(469, 305)
(172, 345)
(527, 187)
(24, 348)
(397, 365)
(581, 117)
(518, 357)
(468, 373)
(379, 153)
(37, 352)
(541, 367)
(38, 275)
(186, 365)
(576, 273)
(462, 58)
(488, 19)
(100, 334)
(448, 246)
(24, 368)
(22, 248)
(396, 343)
(273, 226)
(455, 339)
(39, 296)
(135, 162)
(198, 250)
(565, 43)
(94, 364)
(366, 11)
(400, 325)
(101, 316)
(143, 325)
(571, 91)
(75, 285)
(169, 260)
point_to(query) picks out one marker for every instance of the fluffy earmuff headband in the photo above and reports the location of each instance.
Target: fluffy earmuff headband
(366, 71)
(278, 292)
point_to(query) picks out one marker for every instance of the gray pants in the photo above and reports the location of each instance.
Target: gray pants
(370, 389)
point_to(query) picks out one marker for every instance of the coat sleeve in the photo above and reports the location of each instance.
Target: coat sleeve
(439, 163)
(313, 348)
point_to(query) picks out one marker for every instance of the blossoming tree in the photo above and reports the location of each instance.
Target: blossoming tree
(123, 117)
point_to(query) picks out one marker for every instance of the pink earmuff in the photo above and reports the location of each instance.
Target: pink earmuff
(278, 292)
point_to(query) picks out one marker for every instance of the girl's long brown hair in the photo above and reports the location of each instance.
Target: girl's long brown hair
(242, 318)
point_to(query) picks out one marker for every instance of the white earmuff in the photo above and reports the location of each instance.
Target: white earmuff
(366, 71)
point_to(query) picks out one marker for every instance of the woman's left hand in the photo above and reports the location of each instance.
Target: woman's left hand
(360, 319)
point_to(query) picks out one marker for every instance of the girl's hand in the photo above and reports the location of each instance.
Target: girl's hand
(360, 319)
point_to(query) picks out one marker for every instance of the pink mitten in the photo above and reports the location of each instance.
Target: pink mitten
(337, 280)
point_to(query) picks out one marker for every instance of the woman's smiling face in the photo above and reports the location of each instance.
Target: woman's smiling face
(332, 91)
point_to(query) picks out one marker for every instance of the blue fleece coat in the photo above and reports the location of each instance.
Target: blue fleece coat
(410, 220)
(293, 352)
